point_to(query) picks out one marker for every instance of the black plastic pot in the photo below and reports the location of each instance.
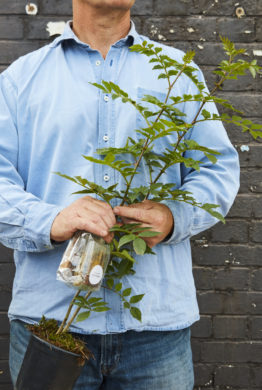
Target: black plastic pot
(46, 367)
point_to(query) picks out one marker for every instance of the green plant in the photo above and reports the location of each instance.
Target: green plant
(163, 119)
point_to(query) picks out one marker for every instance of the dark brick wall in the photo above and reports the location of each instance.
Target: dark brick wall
(227, 342)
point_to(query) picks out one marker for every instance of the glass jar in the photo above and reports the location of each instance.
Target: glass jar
(84, 262)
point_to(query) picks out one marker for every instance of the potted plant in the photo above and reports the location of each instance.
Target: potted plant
(88, 262)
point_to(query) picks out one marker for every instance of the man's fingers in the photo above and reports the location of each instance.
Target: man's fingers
(100, 208)
(134, 213)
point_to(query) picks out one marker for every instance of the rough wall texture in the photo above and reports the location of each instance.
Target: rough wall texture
(227, 342)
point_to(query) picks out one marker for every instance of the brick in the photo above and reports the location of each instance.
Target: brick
(232, 231)
(6, 386)
(231, 279)
(256, 377)
(58, 7)
(243, 84)
(212, 53)
(202, 328)
(242, 207)
(236, 30)
(179, 29)
(255, 302)
(232, 375)
(246, 206)
(5, 299)
(36, 28)
(228, 303)
(4, 374)
(256, 328)
(251, 181)
(6, 254)
(11, 50)
(12, 7)
(196, 349)
(144, 7)
(256, 280)
(4, 324)
(221, 279)
(4, 348)
(252, 157)
(11, 27)
(170, 7)
(249, 103)
(225, 327)
(203, 374)
(7, 271)
(259, 31)
(231, 255)
(231, 352)
(256, 232)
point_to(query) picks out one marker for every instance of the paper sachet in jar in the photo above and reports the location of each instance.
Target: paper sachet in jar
(84, 262)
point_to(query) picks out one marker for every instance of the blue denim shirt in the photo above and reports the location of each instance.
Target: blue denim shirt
(50, 115)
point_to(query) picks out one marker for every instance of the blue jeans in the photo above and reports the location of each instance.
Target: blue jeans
(126, 361)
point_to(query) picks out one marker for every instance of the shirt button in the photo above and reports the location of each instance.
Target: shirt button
(105, 138)
(106, 98)
(106, 178)
(98, 63)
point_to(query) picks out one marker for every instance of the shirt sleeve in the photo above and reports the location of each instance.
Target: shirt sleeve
(25, 220)
(215, 183)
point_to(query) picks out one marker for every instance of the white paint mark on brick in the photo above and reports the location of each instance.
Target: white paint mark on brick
(244, 148)
(55, 28)
(171, 31)
(257, 53)
(200, 47)
(190, 30)
(248, 32)
(254, 305)
(31, 9)
(240, 12)
(202, 39)
(161, 37)
(154, 30)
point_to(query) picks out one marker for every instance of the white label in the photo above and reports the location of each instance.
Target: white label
(96, 275)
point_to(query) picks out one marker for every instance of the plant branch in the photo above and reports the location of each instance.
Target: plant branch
(75, 314)
(60, 329)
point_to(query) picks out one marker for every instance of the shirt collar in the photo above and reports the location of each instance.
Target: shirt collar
(131, 38)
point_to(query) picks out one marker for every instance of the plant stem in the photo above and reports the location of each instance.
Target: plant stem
(75, 314)
(148, 138)
(204, 101)
(60, 330)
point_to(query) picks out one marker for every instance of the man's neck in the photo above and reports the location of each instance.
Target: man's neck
(98, 27)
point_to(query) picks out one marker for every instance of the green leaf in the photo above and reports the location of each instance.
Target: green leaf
(127, 292)
(100, 309)
(93, 300)
(126, 305)
(148, 233)
(136, 313)
(126, 239)
(83, 316)
(118, 287)
(139, 246)
(110, 283)
(136, 298)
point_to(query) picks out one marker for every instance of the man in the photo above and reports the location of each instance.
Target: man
(50, 116)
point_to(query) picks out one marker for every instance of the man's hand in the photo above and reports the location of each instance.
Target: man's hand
(155, 215)
(88, 214)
